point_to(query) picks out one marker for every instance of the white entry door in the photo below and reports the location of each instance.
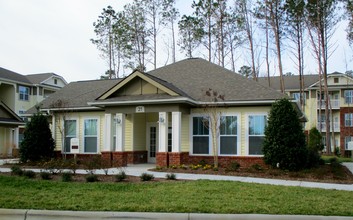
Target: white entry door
(152, 142)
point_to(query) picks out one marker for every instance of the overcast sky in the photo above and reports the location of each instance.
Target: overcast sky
(40, 36)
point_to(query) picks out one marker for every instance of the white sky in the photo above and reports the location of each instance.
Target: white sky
(38, 36)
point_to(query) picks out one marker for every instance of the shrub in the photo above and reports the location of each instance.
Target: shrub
(90, 178)
(313, 159)
(256, 167)
(45, 175)
(234, 166)
(146, 177)
(29, 174)
(16, 170)
(120, 176)
(315, 140)
(284, 142)
(66, 177)
(53, 166)
(38, 142)
(171, 176)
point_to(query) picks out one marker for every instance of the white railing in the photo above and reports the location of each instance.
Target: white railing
(336, 126)
(335, 103)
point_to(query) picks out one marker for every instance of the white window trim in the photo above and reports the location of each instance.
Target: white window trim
(77, 132)
(191, 135)
(350, 97)
(19, 93)
(82, 150)
(247, 131)
(238, 135)
(350, 119)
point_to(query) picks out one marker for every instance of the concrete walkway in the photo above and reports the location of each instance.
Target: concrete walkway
(20, 214)
(138, 169)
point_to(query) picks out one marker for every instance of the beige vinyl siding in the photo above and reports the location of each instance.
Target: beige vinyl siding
(139, 134)
(185, 132)
(242, 112)
(128, 132)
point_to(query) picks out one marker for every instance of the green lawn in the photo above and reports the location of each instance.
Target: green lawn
(180, 196)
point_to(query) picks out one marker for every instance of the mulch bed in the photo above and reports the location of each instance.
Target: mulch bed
(324, 173)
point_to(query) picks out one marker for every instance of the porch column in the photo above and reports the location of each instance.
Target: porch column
(176, 131)
(120, 132)
(163, 131)
(107, 133)
(162, 153)
(175, 157)
(119, 156)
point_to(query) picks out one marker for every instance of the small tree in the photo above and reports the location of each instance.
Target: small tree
(284, 143)
(315, 140)
(38, 142)
(213, 114)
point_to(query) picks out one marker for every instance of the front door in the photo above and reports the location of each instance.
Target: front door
(152, 142)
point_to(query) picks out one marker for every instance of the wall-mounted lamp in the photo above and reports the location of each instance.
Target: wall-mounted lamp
(118, 121)
(161, 119)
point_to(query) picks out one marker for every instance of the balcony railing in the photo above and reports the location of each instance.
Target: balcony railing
(335, 104)
(336, 126)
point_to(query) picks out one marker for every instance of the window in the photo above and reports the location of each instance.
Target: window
(296, 96)
(90, 135)
(348, 120)
(257, 124)
(228, 135)
(55, 81)
(346, 140)
(335, 80)
(348, 96)
(24, 93)
(200, 135)
(70, 132)
(169, 139)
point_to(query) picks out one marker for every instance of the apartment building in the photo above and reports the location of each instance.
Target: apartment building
(18, 93)
(340, 89)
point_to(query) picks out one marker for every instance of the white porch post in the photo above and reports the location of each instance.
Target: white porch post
(107, 134)
(120, 132)
(16, 138)
(176, 131)
(163, 131)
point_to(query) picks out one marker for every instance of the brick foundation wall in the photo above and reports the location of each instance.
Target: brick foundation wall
(162, 159)
(344, 131)
(119, 159)
(135, 157)
(107, 158)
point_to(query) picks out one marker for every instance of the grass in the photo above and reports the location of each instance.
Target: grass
(339, 159)
(190, 196)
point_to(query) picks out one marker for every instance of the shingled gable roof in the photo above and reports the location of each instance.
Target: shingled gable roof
(290, 82)
(190, 79)
(12, 76)
(40, 78)
(194, 76)
(8, 117)
(77, 94)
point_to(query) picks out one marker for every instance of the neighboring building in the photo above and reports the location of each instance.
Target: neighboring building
(21, 92)
(159, 116)
(340, 87)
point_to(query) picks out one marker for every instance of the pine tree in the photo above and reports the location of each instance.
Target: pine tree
(38, 142)
(284, 143)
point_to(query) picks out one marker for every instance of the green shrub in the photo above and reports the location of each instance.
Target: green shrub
(38, 142)
(146, 177)
(234, 166)
(45, 175)
(256, 167)
(313, 159)
(120, 176)
(171, 176)
(29, 174)
(315, 140)
(90, 178)
(284, 142)
(16, 170)
(66, 177)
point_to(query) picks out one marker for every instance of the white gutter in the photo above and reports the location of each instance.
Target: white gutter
(77, 108)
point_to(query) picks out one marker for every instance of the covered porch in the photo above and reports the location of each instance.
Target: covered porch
(145, 134)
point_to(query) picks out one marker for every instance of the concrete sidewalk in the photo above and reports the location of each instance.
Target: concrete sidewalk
(138, 169)
(20, 214)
